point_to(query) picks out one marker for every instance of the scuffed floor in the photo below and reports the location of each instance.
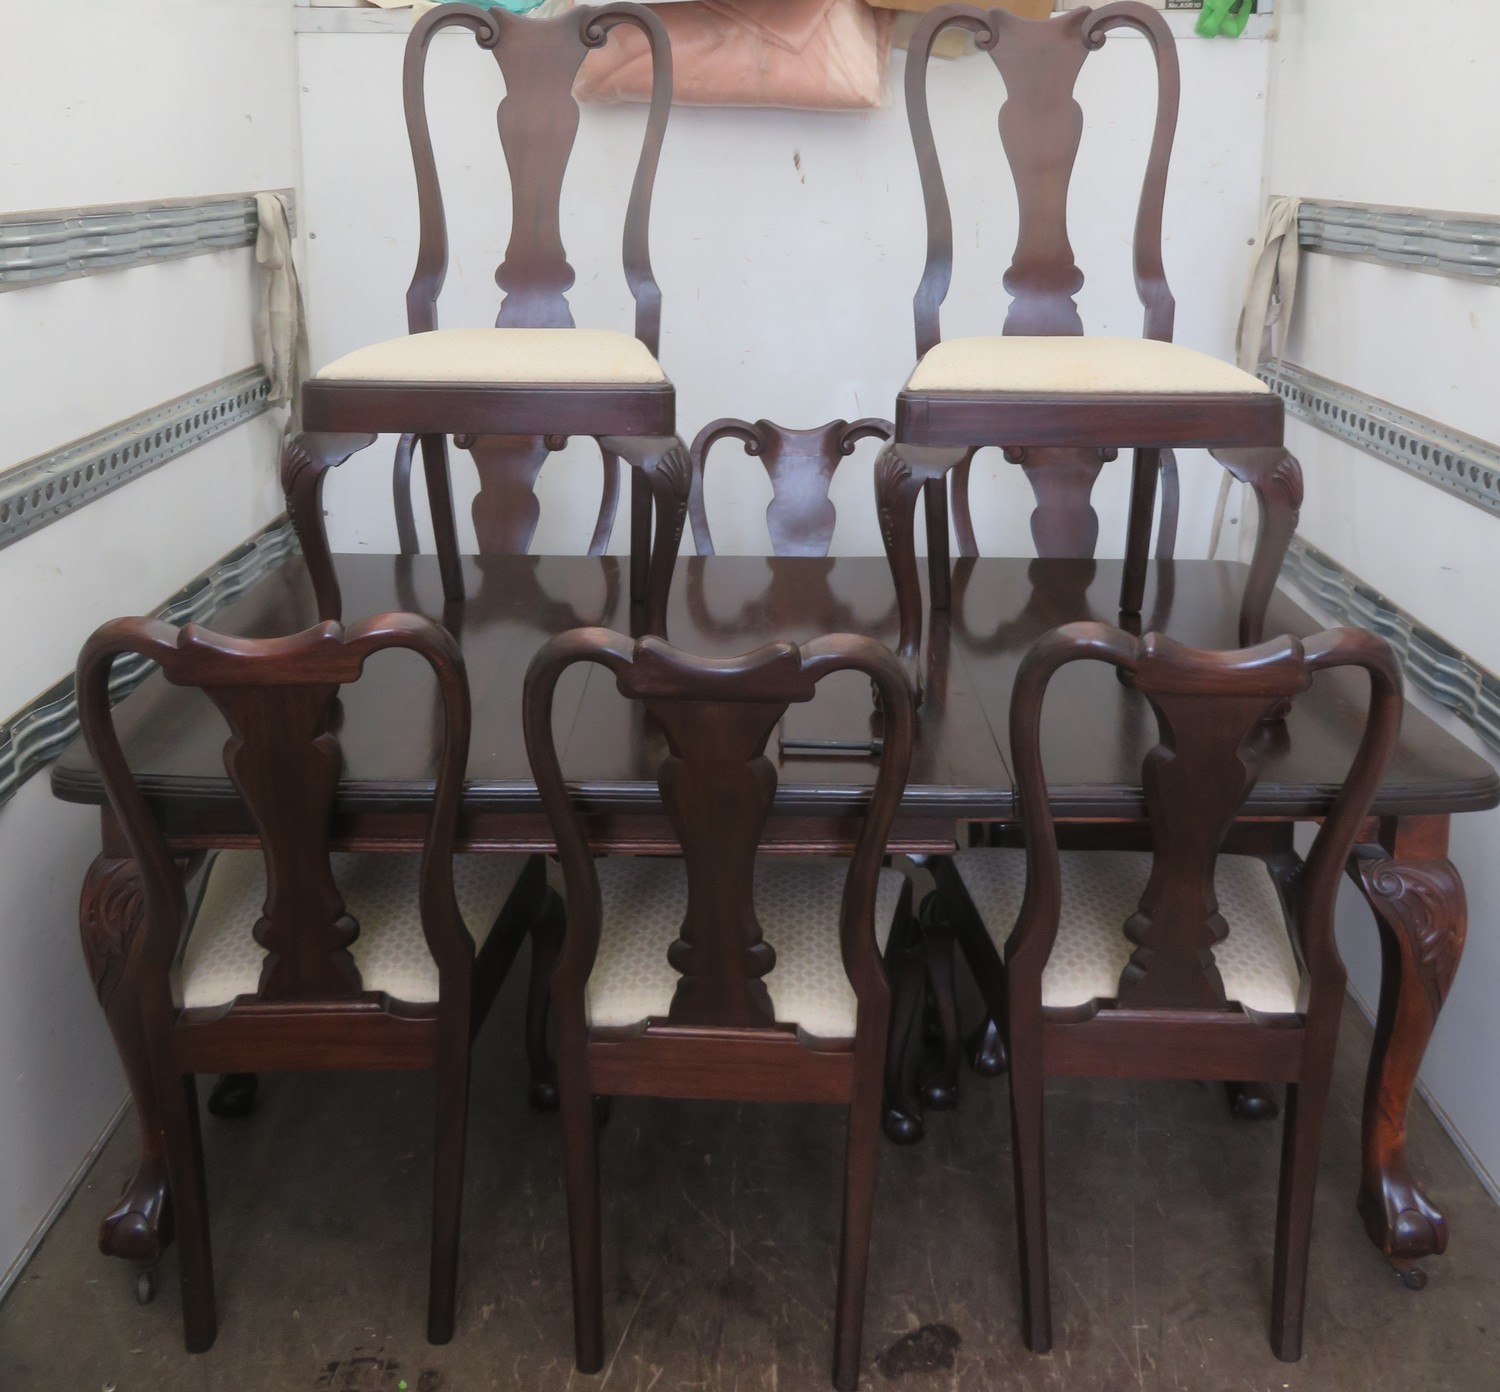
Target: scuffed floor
(720, 1230)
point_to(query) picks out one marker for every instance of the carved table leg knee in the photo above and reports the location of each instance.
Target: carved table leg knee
(662, 477)
(1420, 909)
(1276, 477)
(111, 910)
(902, 473)
(305, 462)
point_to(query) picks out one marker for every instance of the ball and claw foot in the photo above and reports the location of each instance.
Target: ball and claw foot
(233, 1095)
(145, 1285)
(901, 1128)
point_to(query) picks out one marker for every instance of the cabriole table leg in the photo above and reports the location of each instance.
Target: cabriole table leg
(1420, 909)
(139, 1227)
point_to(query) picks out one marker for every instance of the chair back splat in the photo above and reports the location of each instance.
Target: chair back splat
(278, 697)
(1041, 126)
(800, 464)
(717, 785)
(1211, 709)
(538, 122)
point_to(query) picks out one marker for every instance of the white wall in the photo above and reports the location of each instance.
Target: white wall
(787, 244)
(1385, 102)
(156, 99)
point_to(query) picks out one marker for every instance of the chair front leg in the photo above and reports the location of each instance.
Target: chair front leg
(859, 1207)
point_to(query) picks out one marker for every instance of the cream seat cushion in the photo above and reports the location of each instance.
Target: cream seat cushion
(1101, 889)
(797, 900)
(1075, 366)
(222, 960)
(500, 356)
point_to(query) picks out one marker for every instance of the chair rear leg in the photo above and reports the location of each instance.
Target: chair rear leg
(546, 944)
(181, 1132)
(1028, 1152)
(1306, 1104)
(581, 1178)
(859, 1211)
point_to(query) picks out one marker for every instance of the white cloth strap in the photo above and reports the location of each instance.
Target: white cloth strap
(1266, 318)
(281, 326)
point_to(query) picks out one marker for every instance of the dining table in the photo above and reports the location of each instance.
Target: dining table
(1096, 733)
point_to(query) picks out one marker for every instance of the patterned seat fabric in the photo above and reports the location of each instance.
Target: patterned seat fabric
(1125, 366)
(222, 960)
(500, 356)
(797, 900)
(1101, 889)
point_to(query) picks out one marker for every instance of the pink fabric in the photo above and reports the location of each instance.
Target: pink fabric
(812, 55)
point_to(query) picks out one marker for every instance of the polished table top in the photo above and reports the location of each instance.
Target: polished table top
(1095, 733)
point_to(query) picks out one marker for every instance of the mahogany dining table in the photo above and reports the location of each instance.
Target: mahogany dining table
(1095, 736)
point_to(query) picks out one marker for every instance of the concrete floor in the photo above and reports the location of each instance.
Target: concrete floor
(720, 1231)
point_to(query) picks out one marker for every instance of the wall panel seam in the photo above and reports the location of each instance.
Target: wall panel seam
(1436, 667)
(40, 731)
(1462, 245)
(42, 247)
(1451, 459)
(50, 486)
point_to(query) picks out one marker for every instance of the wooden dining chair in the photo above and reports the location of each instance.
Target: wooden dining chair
(800, 464)
(512, 393)
(721, 975)
(1056, 400)
(294, 956)
(1184, 960)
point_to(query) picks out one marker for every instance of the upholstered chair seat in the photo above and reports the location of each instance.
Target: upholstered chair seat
(1074, 366)
(797, 901)
(1101, 889)
(382, 893)
(501, 357)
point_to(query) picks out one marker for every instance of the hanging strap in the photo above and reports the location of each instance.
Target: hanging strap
(1266, 319)
(281, 326)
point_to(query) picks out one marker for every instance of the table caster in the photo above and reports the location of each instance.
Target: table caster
(1413, 1277)
(145, 1286)
(1252, 1101)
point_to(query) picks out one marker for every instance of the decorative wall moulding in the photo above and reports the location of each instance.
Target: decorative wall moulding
(36, 735)
(1465, 245)
(37, 248)
(1463, 464)
(1432, 664)
(52, 485)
